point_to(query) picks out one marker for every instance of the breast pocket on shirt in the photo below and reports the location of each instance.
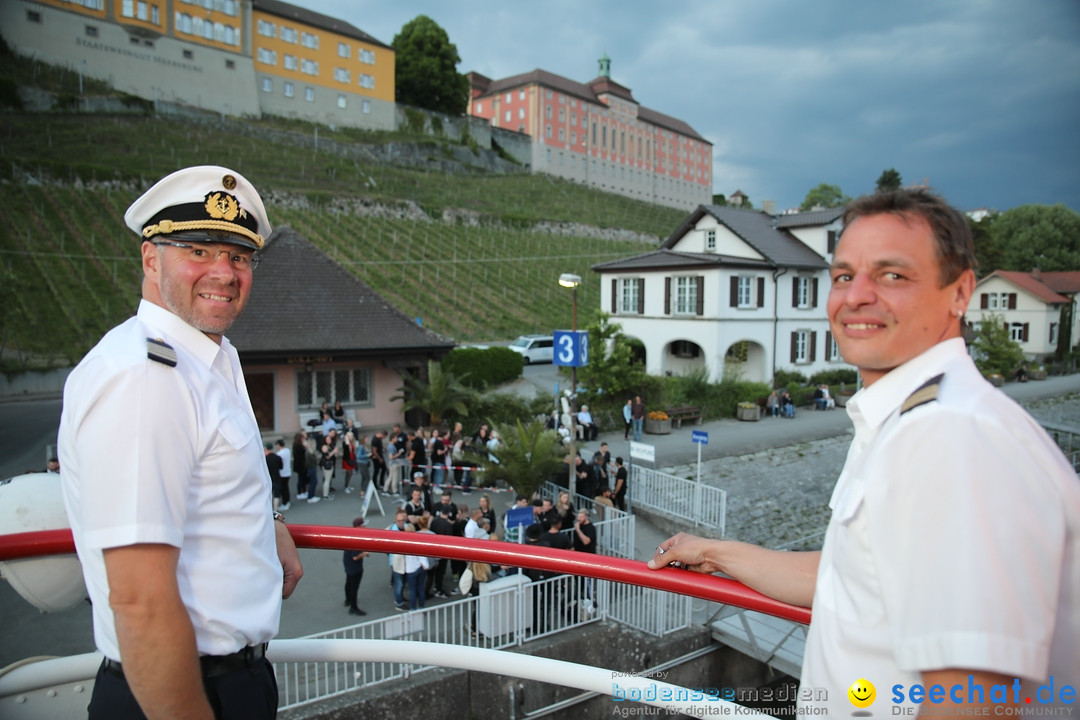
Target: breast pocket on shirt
(237, 431)
(848, 582)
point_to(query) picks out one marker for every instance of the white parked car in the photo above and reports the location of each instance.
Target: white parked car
(535, 348)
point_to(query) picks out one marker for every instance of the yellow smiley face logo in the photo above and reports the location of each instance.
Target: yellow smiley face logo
(861, 693)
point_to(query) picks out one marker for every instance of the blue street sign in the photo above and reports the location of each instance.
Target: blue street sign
(571, 348)
(700, 437)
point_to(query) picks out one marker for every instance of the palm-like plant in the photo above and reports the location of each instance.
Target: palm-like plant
(440, 394)
(528, 454)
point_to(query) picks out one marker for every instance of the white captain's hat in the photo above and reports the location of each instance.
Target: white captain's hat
(202, 198)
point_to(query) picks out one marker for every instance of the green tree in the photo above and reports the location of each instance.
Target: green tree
(988, 253)
(719, 199)
(888, 180)
(825, 195)
(440, 395)
(613, 372)
(527, 456)
(1038, 236)
(994, 350)
(425, 67)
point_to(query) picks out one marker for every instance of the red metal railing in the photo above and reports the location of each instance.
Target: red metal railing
(634, 572)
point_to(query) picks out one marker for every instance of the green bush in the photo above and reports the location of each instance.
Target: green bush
(847, 376)
(482, 368)
(9, 94)
(784, 378)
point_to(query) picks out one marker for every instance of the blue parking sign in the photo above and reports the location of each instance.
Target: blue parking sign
(571, 348)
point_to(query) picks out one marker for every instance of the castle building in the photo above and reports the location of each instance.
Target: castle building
(598, 134)
(236, 57)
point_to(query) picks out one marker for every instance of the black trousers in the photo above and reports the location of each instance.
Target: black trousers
(247, 693)
(352, 587)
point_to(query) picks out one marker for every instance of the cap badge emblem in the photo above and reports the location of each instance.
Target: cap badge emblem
(228, 182)
(222, 206)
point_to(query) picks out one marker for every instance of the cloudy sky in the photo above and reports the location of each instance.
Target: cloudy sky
(979, 98)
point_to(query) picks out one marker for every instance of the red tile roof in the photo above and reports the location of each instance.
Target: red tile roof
(1047, 287)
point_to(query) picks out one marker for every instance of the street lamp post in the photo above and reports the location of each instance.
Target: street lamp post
(569, 280)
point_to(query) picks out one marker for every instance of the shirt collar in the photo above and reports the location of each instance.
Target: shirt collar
(177, 332)
(872, 406)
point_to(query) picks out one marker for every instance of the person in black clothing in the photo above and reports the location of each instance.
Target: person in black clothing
(354, 573)
(417, 454)
(621, 480)
(585, 482)
(445, 503)
(441, 524)
(280, 486)
(584, 533)
(378, 459)
(555, 537)
(457, 567)
(600, 475)
(415, 509)
(543, 596)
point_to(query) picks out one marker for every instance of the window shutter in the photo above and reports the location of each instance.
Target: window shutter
(813, 347)
(1024, 337)
(1012, 301)
(813, 293)
(984, 303)
(734, 294)
(794, 339)
(795, 292)
(667, 296)
(700, 282)
(831, 246)
(761, 292)
(614, 298)
(828, 345)
(641, 296)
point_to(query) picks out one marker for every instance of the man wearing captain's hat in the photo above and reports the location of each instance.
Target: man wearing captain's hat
(164, 479)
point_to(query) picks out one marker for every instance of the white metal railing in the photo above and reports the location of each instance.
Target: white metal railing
(615, 528)
(509, 612)
(1067, 438)
(687, 500)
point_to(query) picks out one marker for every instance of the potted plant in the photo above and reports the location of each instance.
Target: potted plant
(1038, 373)
(748, 411)
(995, 379)
(657, 422)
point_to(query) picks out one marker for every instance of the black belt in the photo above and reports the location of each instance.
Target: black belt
(212, 665)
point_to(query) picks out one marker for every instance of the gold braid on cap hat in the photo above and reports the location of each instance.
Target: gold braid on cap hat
(166, 227)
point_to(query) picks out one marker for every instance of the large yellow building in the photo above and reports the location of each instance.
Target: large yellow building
(237, 57)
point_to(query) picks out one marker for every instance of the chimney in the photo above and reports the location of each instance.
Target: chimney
(1036, 273)
(769, 206)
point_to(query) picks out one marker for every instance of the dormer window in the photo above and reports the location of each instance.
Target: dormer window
(710, 241)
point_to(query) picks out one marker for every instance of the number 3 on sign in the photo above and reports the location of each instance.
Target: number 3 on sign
(572, 348)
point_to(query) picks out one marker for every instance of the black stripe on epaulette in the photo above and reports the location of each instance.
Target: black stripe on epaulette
(927, 392)
(160, 351)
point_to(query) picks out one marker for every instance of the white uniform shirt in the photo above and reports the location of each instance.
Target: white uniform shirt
(954, 542)
(286, 462)
(172, 455)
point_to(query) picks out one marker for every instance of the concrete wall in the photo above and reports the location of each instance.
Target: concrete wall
(33, 382)
(461, 694)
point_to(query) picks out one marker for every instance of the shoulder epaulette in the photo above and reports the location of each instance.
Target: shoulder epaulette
(160, 351)
(927, 392)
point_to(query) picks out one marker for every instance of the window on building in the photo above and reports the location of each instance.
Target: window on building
(521, 113)
(573, 138)
(744, 291)
(631, 297)
(802, 347)
(288, 89)
(92, 31)
(230, 64)
(189, 55)
(309, 40)
(1053, 334)
(804, 292)
(341, 101)
(562, 135)
(1018, 332)
(309, 67)
(997, 301)
(267, 57)
(290, 62)
(352, 387)
(547, 111)
(266, 29)
(309, 94)
(343, 50)
(603, 137)
(685, 349)
(366, 106)
(267, 85)
(547, 131)
(686, 299)
(509, 98)
(33, 16)
(366, 81)
(710, 239)
(342, 75)
(127, 8)
(507, 117)
(832, 350)
(365, 56)
(479, 108)
(289, 34)
(521, 94)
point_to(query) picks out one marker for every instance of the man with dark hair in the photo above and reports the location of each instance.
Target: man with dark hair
(354, 573)
(952, 558)
(621, 480)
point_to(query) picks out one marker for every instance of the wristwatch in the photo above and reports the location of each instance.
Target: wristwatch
(279, 517)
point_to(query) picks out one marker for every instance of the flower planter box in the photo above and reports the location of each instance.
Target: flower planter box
(658, 427)
(1037, 375)
(748, 414)
(995, 380)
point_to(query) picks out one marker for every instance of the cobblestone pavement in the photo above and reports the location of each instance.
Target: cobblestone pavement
(780, 497)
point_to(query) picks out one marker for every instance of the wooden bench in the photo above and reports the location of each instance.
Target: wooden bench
(687, 412)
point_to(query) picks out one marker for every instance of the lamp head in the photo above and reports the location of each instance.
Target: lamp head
(569, 280)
